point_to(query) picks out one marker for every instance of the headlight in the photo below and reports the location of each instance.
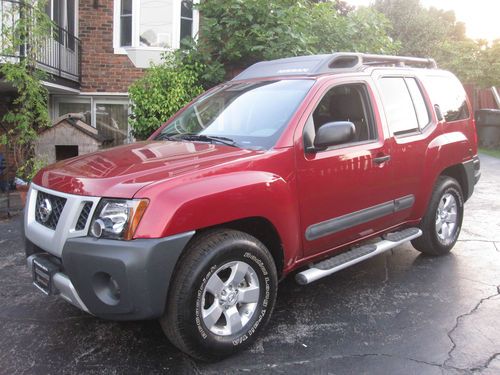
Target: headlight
(117, 218)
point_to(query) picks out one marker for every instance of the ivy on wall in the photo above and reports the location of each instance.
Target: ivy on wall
(25, 27)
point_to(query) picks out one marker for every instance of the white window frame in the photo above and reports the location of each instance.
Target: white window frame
(136, 16)
(94, 100)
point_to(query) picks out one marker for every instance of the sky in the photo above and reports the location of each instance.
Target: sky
(481, 17)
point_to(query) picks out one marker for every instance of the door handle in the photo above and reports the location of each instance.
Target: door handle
(382, 159)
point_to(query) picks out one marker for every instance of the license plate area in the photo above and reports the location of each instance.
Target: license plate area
(43, 272)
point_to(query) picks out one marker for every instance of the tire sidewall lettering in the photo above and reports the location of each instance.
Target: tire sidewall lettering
(253, 260)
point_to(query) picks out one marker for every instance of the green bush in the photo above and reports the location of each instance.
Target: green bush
(163, 90)
(238, 33)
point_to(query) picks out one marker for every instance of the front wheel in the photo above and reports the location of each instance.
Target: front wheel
(221, 295)
(442, 222)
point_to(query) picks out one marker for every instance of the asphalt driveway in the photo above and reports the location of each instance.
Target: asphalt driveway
(398, 313)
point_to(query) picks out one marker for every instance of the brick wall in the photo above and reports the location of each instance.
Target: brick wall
(102, 70)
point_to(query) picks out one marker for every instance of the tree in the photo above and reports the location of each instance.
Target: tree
(464, 58)
(491, 64)
(341, 6)
(25, 27)
(361, 30)
(240, 33)
(421, 31)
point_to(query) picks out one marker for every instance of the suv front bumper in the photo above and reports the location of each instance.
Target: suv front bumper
(116, 280)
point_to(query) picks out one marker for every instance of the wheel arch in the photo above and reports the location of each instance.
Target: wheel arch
(260, 228)
(457, 172)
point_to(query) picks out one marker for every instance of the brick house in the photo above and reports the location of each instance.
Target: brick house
(100, 47)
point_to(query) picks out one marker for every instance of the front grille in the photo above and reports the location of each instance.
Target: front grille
(48, 215)
(84, 216)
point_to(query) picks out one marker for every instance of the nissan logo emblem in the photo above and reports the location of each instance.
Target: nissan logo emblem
(45, 210)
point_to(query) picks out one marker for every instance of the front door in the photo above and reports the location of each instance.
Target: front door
(346, 192)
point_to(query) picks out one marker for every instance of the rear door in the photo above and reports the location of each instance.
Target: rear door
(412, 128)
(347, 191)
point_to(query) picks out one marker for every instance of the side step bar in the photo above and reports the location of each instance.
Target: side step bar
(356, 255)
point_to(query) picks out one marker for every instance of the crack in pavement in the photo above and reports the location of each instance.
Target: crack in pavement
(495, 245)
(478, 240)
(488, 362)
(477, 281)
(340, 357)
(457, 322)
(48, 321)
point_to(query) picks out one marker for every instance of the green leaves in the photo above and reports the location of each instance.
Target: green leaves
(239, 33)
(431, 32)
(164, 89)
(28, 112)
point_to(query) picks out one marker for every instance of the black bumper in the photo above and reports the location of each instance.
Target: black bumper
(473, 173)
(141, 269)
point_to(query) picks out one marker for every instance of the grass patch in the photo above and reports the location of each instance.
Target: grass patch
(494, 153)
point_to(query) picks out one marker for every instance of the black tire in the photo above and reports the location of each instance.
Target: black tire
(183, 322)
(431, 241)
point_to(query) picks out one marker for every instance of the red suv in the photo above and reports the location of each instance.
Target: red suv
(307, 164)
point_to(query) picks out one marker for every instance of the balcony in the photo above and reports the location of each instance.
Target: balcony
(59, 54)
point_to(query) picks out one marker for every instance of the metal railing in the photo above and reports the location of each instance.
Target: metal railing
(58, 54)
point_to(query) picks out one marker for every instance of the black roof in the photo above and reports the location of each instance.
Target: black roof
(339, 62)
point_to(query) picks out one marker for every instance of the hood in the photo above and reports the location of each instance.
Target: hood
(121, 171)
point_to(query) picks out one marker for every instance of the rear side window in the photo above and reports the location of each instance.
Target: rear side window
(448, 93)
(418, 102)
(398, 105)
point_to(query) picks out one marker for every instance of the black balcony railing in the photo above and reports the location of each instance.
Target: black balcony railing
(58, 54)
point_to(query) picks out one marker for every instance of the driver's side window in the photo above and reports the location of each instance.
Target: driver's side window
(343, 103)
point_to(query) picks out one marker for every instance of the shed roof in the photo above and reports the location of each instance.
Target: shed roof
(75, 120)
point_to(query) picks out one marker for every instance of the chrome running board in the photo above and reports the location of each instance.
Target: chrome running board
(356, 255)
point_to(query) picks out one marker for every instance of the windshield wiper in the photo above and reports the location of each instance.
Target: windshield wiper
(206, 138)
(166, 137)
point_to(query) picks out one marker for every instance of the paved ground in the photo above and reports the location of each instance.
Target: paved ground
(399, 313)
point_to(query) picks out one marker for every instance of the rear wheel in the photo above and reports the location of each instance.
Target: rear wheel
(221, 296)
(442, 222)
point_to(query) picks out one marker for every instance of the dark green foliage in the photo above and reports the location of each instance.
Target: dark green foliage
(431, 32)
(164, 89)
(238, 33)
(28, 112)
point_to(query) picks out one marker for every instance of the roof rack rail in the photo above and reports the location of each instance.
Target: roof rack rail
(340, 62)
(368, 59)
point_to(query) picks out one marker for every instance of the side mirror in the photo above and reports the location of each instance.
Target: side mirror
(439, 114)
(333, 133)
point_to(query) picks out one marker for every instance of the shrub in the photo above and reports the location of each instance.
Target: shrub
(163, 90)
(238, 33)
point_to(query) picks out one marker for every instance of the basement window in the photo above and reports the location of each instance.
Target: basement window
(108, 114)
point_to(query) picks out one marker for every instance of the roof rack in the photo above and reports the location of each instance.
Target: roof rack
(367, 59)
(340, 62)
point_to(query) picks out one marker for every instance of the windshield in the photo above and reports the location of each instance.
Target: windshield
(248, 115)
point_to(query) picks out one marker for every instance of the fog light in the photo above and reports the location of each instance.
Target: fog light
(97, 228)
(106, 288)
